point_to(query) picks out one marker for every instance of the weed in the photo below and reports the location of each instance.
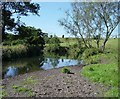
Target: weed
(20, 89)
(65, 70)
(30, 80)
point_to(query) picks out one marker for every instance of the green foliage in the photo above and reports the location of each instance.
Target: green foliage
(18, 8)
(19, 51)
(14, 42)
(32, 35)
(29, 80)
(113, 92)
(73, 52)
(65, 70)
(106, 69)
(10, 52)
(54, 40)
(20, 89)
(103, 73)
(90, 52)
(101, 58)
(76, 24)
(54, 45)
(3, 93)
(46, 39)
(52, 48)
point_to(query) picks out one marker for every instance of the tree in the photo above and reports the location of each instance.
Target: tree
(109, 15)
(54, 44)
(46, 38)
(62, 36)
(18, 8)
(32, 35)
(87, 20)
(51, 36)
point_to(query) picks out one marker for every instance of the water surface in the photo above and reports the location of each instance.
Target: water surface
(21, 66)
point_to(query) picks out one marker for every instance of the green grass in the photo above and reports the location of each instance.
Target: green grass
(30, 80)
(3, 93)
(105, 70)
(103, 73)
(23, 90)
(65, 70)
(106, 74)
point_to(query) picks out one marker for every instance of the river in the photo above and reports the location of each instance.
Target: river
(26, 65)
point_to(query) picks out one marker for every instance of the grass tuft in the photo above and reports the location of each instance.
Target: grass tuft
(65, 70)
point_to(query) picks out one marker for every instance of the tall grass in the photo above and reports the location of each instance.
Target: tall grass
(19, 51)
(16, 51)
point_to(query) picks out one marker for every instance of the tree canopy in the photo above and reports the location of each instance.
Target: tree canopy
(31, 35)
(91, 19)
(9, 9)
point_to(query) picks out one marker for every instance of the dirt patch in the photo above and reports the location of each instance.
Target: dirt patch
(52, 83)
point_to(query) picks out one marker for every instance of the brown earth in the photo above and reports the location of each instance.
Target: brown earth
(53, 83)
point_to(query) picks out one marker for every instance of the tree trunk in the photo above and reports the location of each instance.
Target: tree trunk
(3, 32)
(3, 24)
(104, 44)
(97, 43)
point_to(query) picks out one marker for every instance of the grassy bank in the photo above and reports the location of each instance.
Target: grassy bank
(105, 70)
(20, 51)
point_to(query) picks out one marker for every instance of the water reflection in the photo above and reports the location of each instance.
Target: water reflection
(56, 63)
(21, 66)
(11, 72)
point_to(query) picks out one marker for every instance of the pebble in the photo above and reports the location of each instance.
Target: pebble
(59, 89)
(59, 85)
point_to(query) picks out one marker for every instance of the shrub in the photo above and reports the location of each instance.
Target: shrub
(34, 50)
(6, 43)
(75, 45)
(65, 70)
(10, 52)
(19, 51)
(90, 52)
(54, 40)
(52, 48)
(16, 42)
(74, 51)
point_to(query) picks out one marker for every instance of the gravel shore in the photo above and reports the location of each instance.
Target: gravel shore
(52, 83)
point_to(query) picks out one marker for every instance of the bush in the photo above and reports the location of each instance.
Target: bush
(75, 52)
(19, 51)
(14, 42)
(12, 52)
(65, 70)
(90, 52)
(34, 50)
(6, 43)
(52, 48)
(54, 40)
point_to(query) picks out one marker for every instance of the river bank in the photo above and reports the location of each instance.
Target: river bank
(52, 83)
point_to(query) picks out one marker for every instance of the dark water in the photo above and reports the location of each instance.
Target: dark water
(21, 66)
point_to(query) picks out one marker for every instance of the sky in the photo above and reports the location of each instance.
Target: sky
(50, 13)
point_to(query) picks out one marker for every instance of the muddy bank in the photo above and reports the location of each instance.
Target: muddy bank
(52, 83)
